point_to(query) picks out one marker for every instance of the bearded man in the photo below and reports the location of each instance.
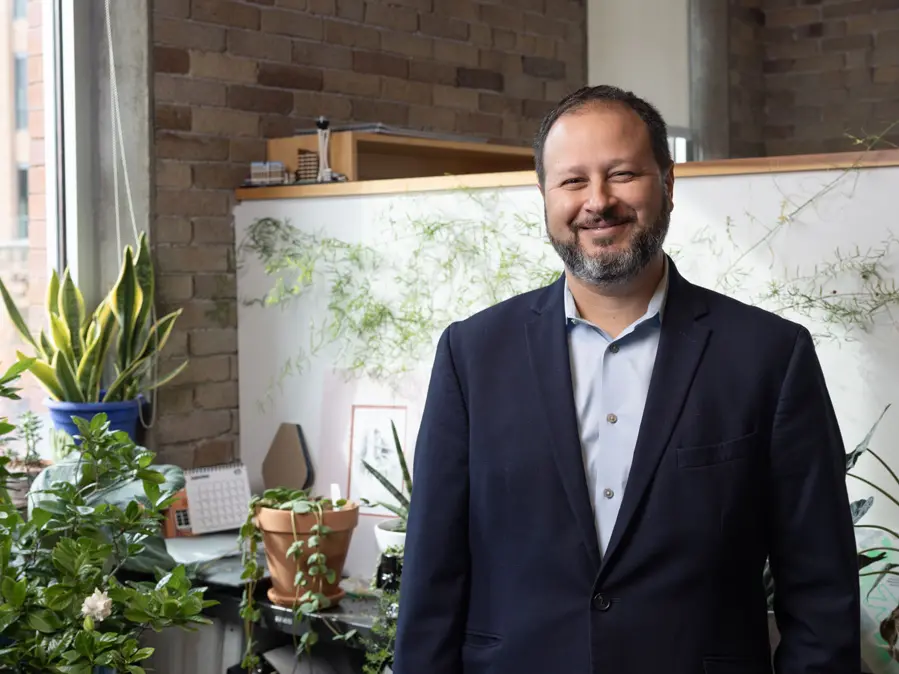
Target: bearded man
(605, 464)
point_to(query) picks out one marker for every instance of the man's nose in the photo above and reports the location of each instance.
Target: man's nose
(600, 197)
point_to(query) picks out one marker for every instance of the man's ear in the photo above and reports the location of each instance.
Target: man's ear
(669, 187)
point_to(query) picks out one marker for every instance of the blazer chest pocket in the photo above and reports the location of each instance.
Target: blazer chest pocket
(710, 455)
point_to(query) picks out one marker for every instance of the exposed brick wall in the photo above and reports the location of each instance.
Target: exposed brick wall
(747, 78)
(230, 74)
(831, 68)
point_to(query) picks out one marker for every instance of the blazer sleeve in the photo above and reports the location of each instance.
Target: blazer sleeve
(435, 577)
(812, 543)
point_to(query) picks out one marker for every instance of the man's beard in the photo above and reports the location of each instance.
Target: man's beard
(610, 268)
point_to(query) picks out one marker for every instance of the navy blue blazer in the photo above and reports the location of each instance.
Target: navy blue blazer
(739, 457)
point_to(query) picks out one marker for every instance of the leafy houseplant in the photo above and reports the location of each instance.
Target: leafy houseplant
(71, 358)
(63, 609)
(379, 648)
(306, 539)
(26, 467)
(393, 532)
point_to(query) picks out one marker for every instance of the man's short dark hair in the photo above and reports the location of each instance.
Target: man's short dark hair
(604, 93)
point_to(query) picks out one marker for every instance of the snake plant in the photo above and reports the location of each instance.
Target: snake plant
(70, 359)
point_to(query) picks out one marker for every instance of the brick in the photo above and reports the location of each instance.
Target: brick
(441, 26)
(323, 7)
(292, 23)
(224, 122)
(416, 46)
(887, 55)
(847, 8)
(173, 228)
(504, 40)
(351, 35)
(189, 259)
(538, 109)
(217, 395)
(524, 86)
(277, 126)
(218, 176)
(480, 35)
(174, 288)
(172, 117)
(226, 13)
(459, 53)
(431, 118)
(496, 104)
(259, 45)
(886, 75)
(394, 89)
(351, 83)
(384, 112)
(171, 60)
(544, 68)
(536, 45)
(290, 4)
(544, 25)
(176, 346)
(187, 34)
(499, 61)
(377, 63)
(792, 50)
(391, 16)
(174, 174)
(311, 104)
(191, 202)
(247, 149)
(197, 425)
(502, 16)
(215, 452)
(219, 66)
(176, 399)
(478, 78)
(176, 145)
(260, 99)
(218, 229)
(213, 341)
(848, 43)
(289, 76)
(174, 8)
(187, 91)
(215, 286)
(352, 10)
(203, 314)
(479, 124)
(453, 97)
(319, 55)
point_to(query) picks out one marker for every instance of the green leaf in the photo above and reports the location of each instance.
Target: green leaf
(65, 375)
(71, 312)
(125, 300)
(43, 621)
(16, 317)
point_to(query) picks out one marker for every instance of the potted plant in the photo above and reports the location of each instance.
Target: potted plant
(26, 466)
(71, 358)
(64, 609)
(392, 532)
(306, 540)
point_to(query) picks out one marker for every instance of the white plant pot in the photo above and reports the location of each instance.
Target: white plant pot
(387, 537)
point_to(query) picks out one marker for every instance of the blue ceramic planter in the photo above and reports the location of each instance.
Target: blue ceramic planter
(122, 416)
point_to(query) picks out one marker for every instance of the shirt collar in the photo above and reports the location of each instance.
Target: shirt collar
(656, 306)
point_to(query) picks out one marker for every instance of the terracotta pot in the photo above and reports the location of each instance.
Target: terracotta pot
(278, 536)
(18, 487)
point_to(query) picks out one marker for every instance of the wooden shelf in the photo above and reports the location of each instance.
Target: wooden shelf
(375, 156)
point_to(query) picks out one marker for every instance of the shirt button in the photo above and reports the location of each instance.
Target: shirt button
(608, 493)
(601, 603)
(611, 418)
(613, 348)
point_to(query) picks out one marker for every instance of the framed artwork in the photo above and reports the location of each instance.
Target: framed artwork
(371, 440)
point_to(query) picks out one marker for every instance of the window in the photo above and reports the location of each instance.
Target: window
(30, 224)
(20, 79)
(23, 201)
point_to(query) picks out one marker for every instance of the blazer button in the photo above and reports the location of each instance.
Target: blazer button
(601, 603)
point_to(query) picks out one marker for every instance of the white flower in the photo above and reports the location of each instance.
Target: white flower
(98, 606)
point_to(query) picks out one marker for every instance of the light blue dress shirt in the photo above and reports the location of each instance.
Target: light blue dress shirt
(611, 379)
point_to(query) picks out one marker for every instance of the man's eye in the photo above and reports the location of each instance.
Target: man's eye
(623, 175)
(571, 181)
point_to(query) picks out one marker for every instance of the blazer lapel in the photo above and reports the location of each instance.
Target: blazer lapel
(681, 344)
(547, 339)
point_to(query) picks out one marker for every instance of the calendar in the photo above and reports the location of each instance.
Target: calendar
(217, 497)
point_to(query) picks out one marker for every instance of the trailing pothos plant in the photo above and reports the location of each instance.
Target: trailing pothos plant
(313, 570)
(401, 507)
(71, 357)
